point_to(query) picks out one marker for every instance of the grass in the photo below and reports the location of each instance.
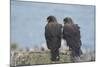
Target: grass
(41, 58)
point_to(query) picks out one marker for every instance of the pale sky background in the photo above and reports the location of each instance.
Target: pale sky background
(28, 20)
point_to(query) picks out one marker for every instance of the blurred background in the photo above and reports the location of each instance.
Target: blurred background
(28, 20)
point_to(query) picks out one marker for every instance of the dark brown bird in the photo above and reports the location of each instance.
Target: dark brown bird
(71, 33)
(53, 37)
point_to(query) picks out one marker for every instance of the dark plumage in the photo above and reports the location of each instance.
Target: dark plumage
(71, 33)
(53, 35)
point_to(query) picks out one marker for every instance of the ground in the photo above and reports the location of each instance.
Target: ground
(40, 58)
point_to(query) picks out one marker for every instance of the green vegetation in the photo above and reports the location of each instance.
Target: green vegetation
(37, 58)
(20, 57)
(14, 46)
